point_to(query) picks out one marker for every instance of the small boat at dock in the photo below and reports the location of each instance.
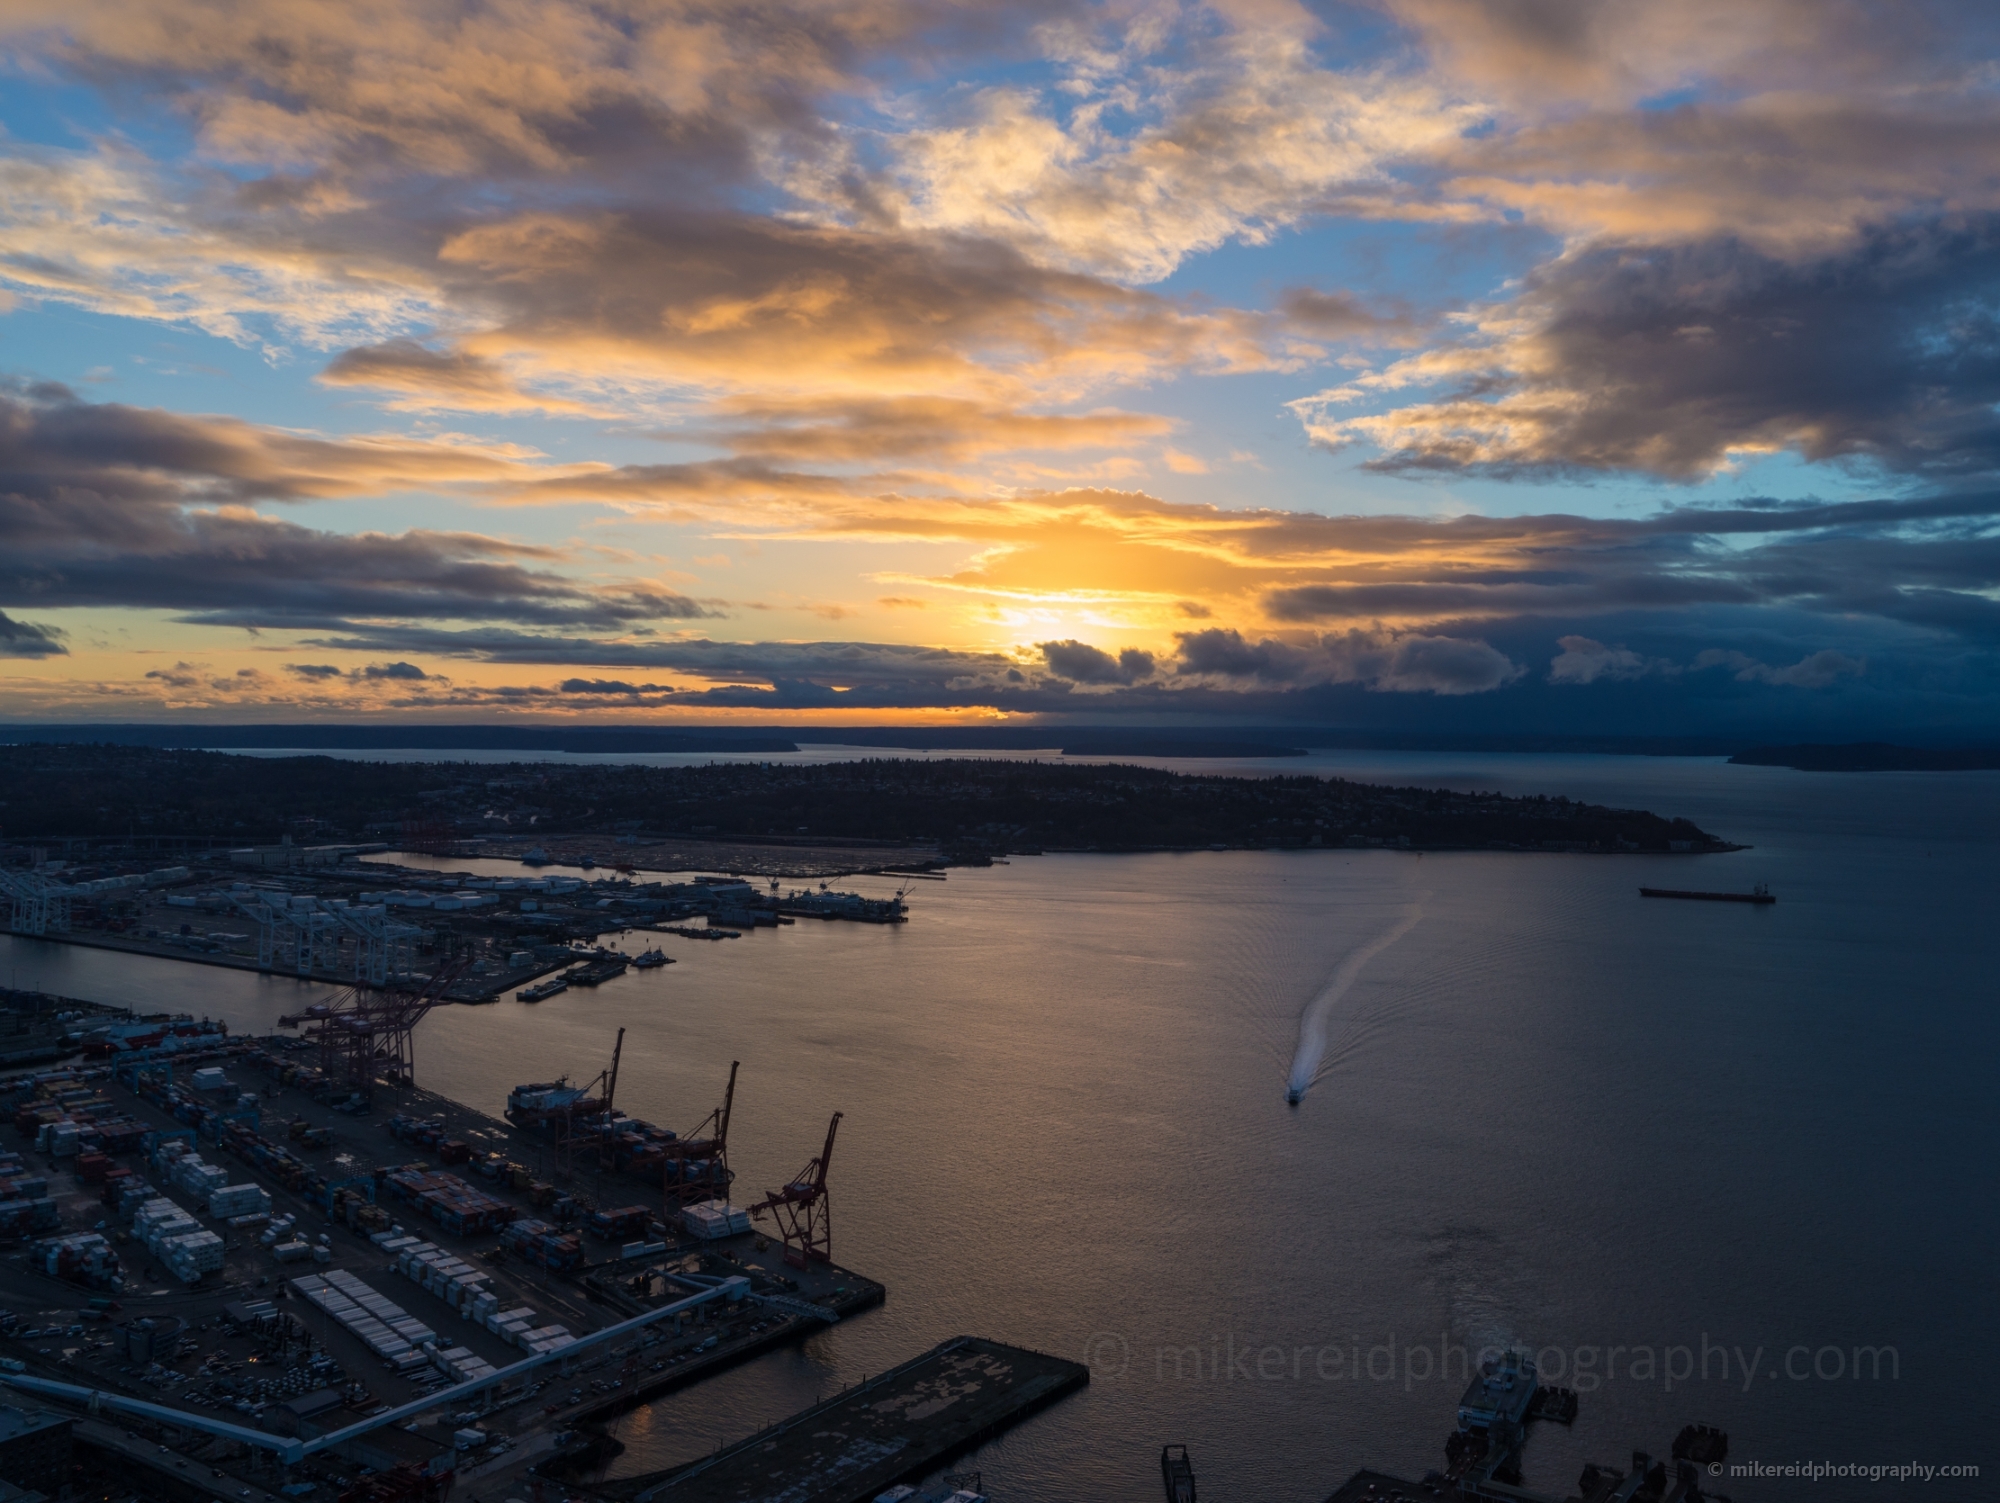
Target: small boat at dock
(651, 960)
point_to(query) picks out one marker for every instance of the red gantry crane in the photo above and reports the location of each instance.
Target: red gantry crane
(708, 1144)
(589, 1115)
(803, 1211)
(366, 1035)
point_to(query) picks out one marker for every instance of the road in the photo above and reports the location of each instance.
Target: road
(152, 1454)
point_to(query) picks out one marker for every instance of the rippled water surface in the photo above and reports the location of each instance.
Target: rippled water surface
(1544, 1110)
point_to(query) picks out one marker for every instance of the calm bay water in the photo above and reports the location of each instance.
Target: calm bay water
(1548, 1112)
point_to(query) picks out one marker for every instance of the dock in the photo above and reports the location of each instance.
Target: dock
(1503, 1403)
(895, 1427)
(596, 971)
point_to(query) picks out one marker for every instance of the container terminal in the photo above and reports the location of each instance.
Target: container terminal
(323, 913)
(249, 1267)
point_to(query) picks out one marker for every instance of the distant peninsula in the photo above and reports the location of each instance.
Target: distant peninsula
(966, 810)
(1873, 756)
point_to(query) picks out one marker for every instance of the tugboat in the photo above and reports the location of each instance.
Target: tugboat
(651, 959)
(546, 989)
(1294, 1095)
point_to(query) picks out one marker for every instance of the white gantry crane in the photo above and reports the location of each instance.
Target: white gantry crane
(36, 905)
(312, 937)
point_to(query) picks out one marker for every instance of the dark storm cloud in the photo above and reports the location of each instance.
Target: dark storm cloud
(1929, 560)
(611, 686)
(180, 676)
(393, 671)
(97, 509)
(877, 675)
(1667, 359)
(67, 464)
(1749, 671)
(1502, 594)
(841, 664)
(1085, 664)
(1406, 663)
(24, 639)
(238, 569)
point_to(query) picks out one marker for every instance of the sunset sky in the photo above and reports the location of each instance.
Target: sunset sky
(1540, 364)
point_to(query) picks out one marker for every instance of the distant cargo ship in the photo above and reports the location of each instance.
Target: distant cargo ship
(1758, 894)
(536, 856)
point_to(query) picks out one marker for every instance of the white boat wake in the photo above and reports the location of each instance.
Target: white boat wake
(1311, 1051)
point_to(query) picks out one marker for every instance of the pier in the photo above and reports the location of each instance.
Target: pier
(892, 1428)
(1483, 1456)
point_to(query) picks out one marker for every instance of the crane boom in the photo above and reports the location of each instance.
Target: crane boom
(825, 1159)
(804, 1208)
(728, 1104)
(611, 1075)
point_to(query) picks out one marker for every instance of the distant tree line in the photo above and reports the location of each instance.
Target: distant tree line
(970, 807)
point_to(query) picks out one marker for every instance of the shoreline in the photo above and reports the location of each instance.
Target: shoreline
(936, 869)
